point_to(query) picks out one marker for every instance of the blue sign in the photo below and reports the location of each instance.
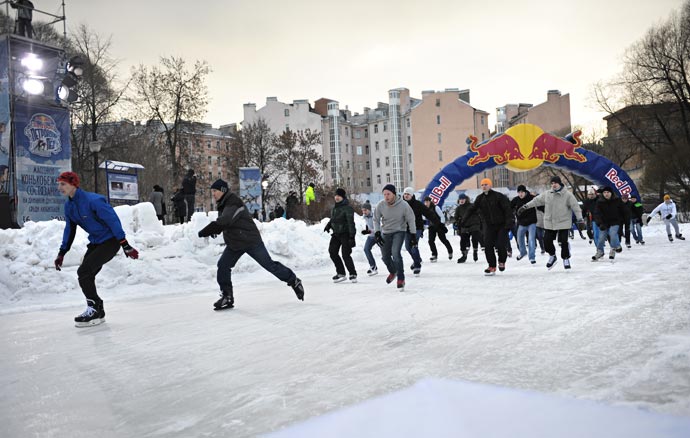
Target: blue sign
(250, 188)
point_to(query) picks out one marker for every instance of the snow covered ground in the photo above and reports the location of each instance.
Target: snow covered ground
(165, 364)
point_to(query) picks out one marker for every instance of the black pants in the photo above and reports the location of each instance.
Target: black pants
(189, 199)
(433, 232)
(24, 28)
(624, 231)
(495, 239)
(465, 238)
(339, 241)
(161, 217)
(96, 256)
(550, 235)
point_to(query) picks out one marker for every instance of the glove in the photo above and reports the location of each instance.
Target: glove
(212, 229)
(327, 228)
(444, 229)
(649, 218)
(129, 251)
(581, 225)
(413, 240)
(378, 238)
(668, 216)
(352, 242)
(366, 231)
(521, 210)
(60, 258)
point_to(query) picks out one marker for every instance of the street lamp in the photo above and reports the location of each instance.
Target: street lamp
(95, 147)
(264, 187)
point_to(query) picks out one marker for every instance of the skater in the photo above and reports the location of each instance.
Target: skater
(179, 206)
(394, 221)
(92, 213)
(667, 210)
(588, 207)
(494, 208)
(241, 236)
(636, 211)
(624, 229)
(342, 224)
(420, 210)
(156, 198)
(371, 241)
(527, 225)
(469, 228)
(559, 206)
(291, 203)
(441, 230)
(609, 216)
(189, 187)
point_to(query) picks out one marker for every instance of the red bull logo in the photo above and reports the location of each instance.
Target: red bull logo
(502, 148)
(438, 191)
(551, 148)
(622, 185)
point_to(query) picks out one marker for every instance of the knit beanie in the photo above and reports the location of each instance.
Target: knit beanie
(70, 178)
(390, 188)
(341, 192)
(220, 185)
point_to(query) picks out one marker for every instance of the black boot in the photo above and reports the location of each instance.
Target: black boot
(463, 259)
(93, 315)
(298, 288)
(226, 301)
(475, 257)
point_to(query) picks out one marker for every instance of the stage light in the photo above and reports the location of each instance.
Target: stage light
(32, 62)
(70, 80)
(33, 86)
(66, 94)
(76, 65)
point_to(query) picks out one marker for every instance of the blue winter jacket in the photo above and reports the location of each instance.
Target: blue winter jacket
(93, 213)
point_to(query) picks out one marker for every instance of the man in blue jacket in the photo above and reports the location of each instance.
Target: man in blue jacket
(93, 213)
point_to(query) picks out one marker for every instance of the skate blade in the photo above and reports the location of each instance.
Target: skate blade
(353, 281)
(372, 274)
(340, 280)
(433, 261)
(223, 308)
(91, 323)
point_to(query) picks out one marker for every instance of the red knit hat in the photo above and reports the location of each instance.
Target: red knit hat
(70, 178)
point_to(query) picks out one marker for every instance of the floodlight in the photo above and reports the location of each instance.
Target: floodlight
(66, 94)
(70, 80)
(76, 65)
(32, 62)
(33, 86)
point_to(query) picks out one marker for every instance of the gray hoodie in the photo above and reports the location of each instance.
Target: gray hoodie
(390, 219)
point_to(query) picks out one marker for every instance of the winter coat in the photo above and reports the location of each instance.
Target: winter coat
(92, 212)
(420, 210)
(465, 223)
(189, 184)
(609, 212)
(393, 218)
(559, 206)
(156, 198)
(637, 211)
(494, 207)
(291, 203)
(665, 209)
(529, 217)
(179, 204)
(588, 208)
(238, 227)
(627, 211)
(437, 213)
(279, 212)
(309, 195)
(540, 217)
(343, 219)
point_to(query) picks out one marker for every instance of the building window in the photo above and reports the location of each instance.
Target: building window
(208, 144)
(359, 150)
(408, 122)
(438, 119)
(378, 162)
(349, 183)
(376, 128)
(347, 147)
(359, 166)
(287, 126)
(361, 183)
(438, 102)
(367, 165)
(366, 149)
(385, 126)
(409, 140)
(210, 176)
(347, 131)
(358, 134)
(217, 145)
(218, 161)
(209, 160)
(385, 144)
(348, 165)
(439, 137)
(368, 182)
(227, 146)
(388, 177)
(366, 133)
(388, 161)
(287, 112)
(219, 174)
(440, 155)
(376, 146)
(482, 120)
(409, 158)
(482, 136)
(378, 179)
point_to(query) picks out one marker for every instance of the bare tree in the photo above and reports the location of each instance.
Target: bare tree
(172, 94)
(298, 155)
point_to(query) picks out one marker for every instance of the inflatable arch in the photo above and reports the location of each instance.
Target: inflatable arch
(525, 147)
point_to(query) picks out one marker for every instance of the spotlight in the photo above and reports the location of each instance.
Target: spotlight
(70, 80)
(33, 86)
(76, 65)
(66, 94)
(32, 62)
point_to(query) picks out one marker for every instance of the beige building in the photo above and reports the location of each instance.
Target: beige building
(552, 116)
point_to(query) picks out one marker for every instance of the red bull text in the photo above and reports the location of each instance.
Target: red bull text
(623, 186)
(438, 191)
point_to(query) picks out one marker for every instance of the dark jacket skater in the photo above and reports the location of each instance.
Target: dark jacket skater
(179, 205)
(469, 227)
(241, 236)
(342, 224)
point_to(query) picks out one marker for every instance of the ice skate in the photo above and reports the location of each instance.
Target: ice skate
(680, 237)
(490, 271)
(372, 271)
(339, 278)
(93, 315)
(552, 262)
(390, 278)
(401, 285)
(501, 267)
(612, 254)
(450, 256)
(670, 238)
(463, 258)
(353, 278)
(226, 301)
(433, 259)
(298, 288)
(566, 263)
(597, 256)
(417, 271)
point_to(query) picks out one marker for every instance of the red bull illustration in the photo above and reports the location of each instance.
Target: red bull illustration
(502, 148)
(550, 148)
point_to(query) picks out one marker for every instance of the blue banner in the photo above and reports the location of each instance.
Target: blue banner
(250, 188)
(42, 150)
(5, 125)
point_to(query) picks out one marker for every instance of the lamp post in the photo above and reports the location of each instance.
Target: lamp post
(95, 148)
(264, 187)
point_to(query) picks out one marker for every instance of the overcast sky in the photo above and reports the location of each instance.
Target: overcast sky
(354, 51)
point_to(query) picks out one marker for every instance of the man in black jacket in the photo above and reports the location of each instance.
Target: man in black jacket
(527, 224)
(241, 236)
(494, 208)
(419, 210)
(189, 187)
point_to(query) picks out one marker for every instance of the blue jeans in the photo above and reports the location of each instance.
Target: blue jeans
(612, 233)
(414, 252)
(391, 256)
(531, 231)
(259, 253)
(595, 233)
(371, 241)
(636, 230)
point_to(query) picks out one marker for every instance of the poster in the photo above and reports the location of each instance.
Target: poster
(250, 188)
(123, 187)
(5, 125)
(42, 148)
